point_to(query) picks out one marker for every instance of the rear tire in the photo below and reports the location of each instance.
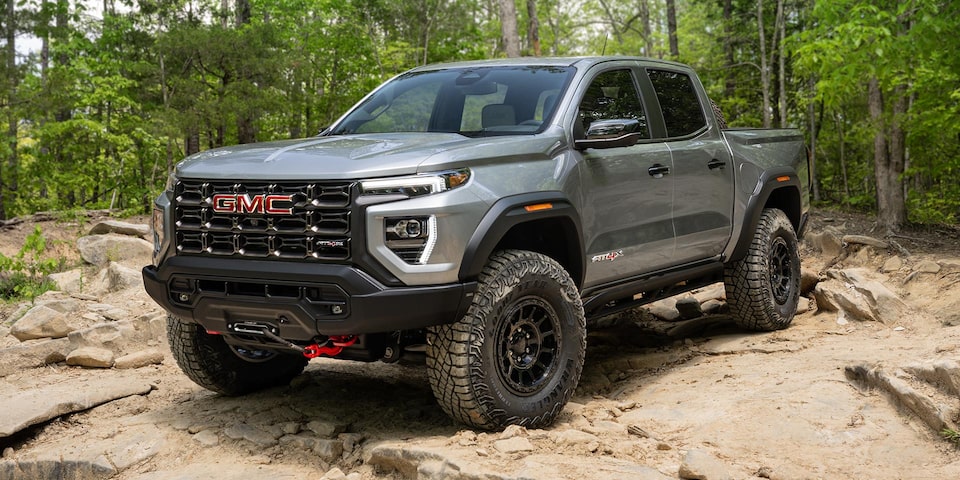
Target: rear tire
(516, 356)
(763, 287)
(213, 364)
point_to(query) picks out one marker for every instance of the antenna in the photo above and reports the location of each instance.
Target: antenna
(604, 51)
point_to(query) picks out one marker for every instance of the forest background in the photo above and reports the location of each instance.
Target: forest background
(101, 98)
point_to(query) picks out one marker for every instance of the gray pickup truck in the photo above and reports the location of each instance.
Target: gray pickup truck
(482, 212)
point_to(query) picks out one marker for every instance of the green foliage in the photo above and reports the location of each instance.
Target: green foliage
(120, 100)
(951, 436)
(23, 275)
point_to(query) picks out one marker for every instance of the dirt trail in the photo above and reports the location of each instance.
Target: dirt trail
(772, 405)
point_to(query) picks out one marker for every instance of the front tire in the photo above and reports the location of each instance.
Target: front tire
(213, 364)
(763, 288)
(516, 356)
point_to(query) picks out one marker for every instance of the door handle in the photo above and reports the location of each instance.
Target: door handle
(714, 164)
(658, 171)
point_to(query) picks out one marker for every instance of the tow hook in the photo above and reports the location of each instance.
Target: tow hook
(331, 348)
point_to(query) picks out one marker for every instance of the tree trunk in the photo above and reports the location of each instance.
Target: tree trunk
(246, 131)
(243, 12)
(508, 28)
(672, 29)
(764, 68)
(730, 85)
(533, 28)
(647, 32)
(888, 158)
(12, 121)
(843, 158)
(812, 116)
(782, 27)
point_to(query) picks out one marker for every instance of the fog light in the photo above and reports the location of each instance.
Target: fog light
(411, 238)
(410, 228)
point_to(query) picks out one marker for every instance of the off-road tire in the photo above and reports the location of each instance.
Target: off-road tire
(516, 356)
(213, 364)
(764, 286)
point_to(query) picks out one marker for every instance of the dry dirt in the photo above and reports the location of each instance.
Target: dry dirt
(766, 405)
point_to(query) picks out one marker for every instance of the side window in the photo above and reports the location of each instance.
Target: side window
(681, 108)
(408, 112)
(611, 107)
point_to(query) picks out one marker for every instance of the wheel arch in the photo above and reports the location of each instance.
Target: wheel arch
(542, 222)
(780, 188)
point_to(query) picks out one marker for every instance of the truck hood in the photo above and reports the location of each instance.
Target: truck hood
(353, 156)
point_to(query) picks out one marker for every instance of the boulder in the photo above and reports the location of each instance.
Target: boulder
(90, 357)
(808, 280)
(116, 277)
(101, 249)
(70, 281)
(713, 307)
(121, 228)
(62, 305)
(869, 377)
(150, 356)
(858, 298)
(121, 337)
(31, 354)
(327, 429)
(513, 445)
(829, 241)
(41, 321)
(927, 266)
(665, 309)
(25, 408)
(892, 264)
(864, 240)
(689, 308)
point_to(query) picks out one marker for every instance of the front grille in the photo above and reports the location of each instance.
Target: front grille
(316, 228)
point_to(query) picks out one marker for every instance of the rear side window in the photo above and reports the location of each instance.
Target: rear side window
(681, 108)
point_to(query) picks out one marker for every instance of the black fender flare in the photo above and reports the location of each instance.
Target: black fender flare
(786, 182)
(511, 211)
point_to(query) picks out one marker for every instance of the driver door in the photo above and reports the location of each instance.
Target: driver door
(627, 191)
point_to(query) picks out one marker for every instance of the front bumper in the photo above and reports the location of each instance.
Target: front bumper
(301, 301)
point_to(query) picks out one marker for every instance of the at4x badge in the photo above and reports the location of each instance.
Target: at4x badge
(607, 257)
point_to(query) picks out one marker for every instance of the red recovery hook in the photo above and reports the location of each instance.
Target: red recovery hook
(331, 348)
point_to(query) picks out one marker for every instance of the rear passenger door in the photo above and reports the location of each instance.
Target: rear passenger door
(702, 169)
(627, 191)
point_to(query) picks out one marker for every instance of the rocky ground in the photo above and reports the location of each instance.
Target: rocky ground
(860, 386)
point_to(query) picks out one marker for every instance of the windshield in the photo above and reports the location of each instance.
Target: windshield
(471, 101)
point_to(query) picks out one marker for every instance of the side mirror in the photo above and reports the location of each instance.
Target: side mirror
(602, 129)
(613, 133)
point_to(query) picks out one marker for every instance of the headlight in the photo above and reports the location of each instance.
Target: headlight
(416, 185)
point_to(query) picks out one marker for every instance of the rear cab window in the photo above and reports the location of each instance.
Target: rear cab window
(679, 102)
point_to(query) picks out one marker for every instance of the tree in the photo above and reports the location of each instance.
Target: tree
(672, 29)
(894, 52)
(508, 27)
(533, 27)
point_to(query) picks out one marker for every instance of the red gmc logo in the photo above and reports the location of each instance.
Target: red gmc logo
(266, 204)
